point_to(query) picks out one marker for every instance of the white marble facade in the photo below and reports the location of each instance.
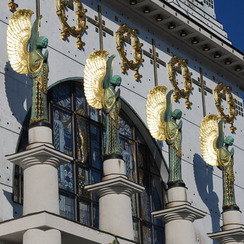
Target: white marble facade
(66, 60)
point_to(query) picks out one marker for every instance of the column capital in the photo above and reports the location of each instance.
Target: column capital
(118, 185)
(43, 154)
(232, 236)
(180, 212)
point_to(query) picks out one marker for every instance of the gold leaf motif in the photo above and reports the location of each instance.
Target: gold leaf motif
(18, 34)
(123, 35)
(175, 64)
(76, 31)
(208, 135)
(220, 92)
(155, 108)
(94, 72)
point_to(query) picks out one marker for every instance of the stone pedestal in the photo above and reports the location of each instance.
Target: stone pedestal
(39, 163)
(232, 229)
(114, 193)
(178, 217)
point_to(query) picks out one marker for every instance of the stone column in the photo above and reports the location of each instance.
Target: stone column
(39, 163)
(232, 229)
(178, 217)
(115, 190)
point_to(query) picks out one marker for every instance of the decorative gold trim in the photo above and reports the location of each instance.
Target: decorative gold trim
(137, 50)
(172, 69)
(80, 28)
(12, 6)
(220, 92)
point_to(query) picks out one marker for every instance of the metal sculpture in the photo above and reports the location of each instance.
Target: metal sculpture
(162, 126)
(99, 87)
(215, 152)
(21, 36)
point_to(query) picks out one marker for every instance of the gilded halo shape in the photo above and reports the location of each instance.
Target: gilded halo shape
(208, 135)
(94, 72)
(174, 65)
(18, 34)
(155, 108)
(220, 92)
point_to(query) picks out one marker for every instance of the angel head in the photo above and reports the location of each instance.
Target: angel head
(42, 42)
(229, 140)
(116, 80)
(177, 113)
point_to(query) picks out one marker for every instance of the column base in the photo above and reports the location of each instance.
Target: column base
(176, 196)
(232, 229)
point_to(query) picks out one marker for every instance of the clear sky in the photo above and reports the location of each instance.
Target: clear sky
(231, 14)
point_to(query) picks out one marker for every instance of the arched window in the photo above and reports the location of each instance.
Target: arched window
(79, 131)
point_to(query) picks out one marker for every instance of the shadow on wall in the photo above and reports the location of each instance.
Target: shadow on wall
(18, 92)
(203, 174)
(17, 208)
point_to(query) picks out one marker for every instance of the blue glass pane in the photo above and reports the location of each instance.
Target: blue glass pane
(142, 157)
(127, 150)
(134, 205)
(82, 139)
(62, 95)
(83, 180)
(85, 213)
(62, 135)
(80, 100)
(147, 234)
(95, 114)
(145, 196)
(65, 177)
(136, 231)
(159, 236)
(96, 215)
(124, 128)
(96, 177)
(67, 206)
(158, 222)
(156, 193)
(96, 157)
(153, 166)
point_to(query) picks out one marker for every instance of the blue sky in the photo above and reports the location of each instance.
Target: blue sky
(231, 15)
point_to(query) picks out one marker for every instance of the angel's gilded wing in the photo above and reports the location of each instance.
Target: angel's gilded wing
(18, 34)
(155, 108)
(209, 133)
(94, 72)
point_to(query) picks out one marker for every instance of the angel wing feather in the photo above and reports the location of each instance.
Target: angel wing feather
(155, 108)
(18, 34)
(209, 133)
(94, 72)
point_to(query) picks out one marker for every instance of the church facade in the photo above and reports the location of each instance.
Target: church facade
(153, 40)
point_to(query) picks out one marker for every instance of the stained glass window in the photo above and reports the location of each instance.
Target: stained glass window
(79, 131)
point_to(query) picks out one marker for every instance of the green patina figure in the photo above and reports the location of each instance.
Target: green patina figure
(173, 139)
(38, 71)
(24, 48)
(111, 106)
(225, 163)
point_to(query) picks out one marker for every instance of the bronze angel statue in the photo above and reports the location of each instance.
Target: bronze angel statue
(99, 87)
(215, 152)
(24, 47)
(163, 127)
